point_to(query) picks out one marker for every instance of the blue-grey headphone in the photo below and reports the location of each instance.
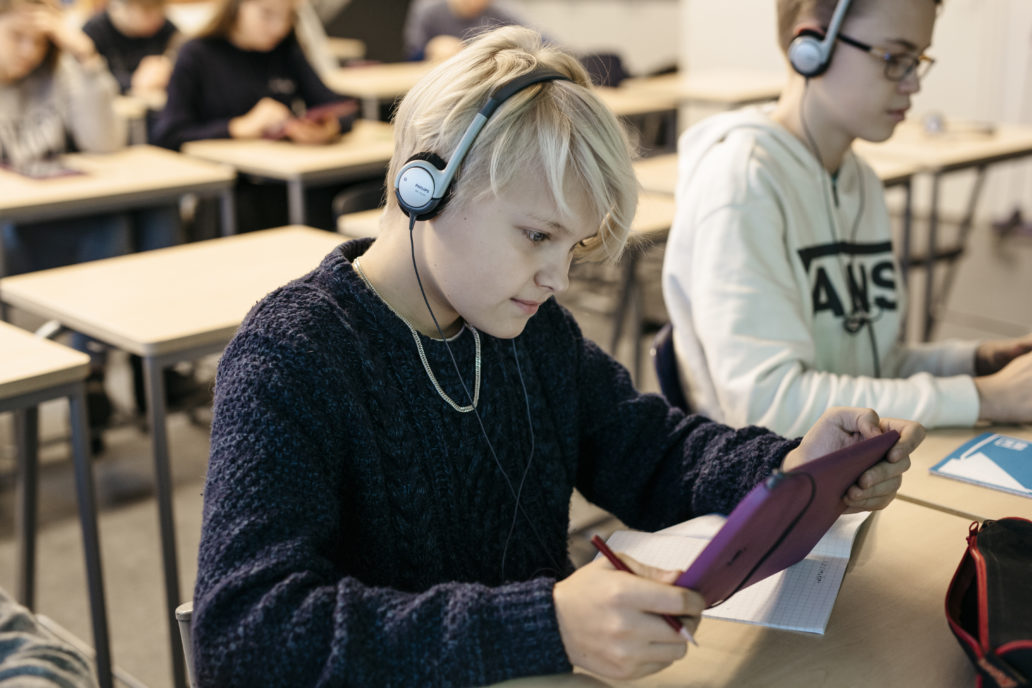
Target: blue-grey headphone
(809, 53)
(423, 182)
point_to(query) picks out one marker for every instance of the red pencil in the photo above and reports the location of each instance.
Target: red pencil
(617, 563)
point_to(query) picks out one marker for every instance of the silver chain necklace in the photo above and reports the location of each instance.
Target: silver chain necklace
(422, 354)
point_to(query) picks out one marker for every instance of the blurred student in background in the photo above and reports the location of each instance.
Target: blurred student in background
(779, 274)
(56, 88)
(435, 29)
(138, 41)
(246, 77)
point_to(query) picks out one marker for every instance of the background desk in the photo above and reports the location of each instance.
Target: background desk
(724, 88)
(956, 148)
(378, 83)
(973, 502)
(184, 302)
(34, 370)
(361, 153)
(133, 177)
(888, 627)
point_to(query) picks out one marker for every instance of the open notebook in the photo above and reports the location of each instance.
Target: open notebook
(800, 598)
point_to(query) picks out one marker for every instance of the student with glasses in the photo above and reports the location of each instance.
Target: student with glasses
(779, 275)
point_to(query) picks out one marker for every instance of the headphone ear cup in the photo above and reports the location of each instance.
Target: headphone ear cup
(806, 53)
(416, 184)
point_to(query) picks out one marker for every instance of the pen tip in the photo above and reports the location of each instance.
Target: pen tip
(688, 636)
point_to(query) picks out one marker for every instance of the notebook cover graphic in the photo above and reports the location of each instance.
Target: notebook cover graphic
(992, 460)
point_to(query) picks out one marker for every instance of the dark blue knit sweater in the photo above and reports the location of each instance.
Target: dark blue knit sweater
(355, 524)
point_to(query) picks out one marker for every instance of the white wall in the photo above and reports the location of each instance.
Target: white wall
(644, 32)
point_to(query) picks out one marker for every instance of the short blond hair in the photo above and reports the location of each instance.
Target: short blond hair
(559, 128)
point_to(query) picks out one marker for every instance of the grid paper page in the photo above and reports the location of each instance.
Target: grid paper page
(800, 598)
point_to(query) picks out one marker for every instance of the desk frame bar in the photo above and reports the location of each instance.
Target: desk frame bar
(25, 407)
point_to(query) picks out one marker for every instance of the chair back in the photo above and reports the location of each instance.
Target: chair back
(664, 359)
(184, 615)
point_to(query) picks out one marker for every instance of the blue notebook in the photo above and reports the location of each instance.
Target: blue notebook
(993, 460)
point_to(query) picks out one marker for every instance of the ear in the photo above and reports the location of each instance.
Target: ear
(807, 54)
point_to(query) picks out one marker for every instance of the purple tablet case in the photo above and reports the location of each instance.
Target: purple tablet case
(780, 520)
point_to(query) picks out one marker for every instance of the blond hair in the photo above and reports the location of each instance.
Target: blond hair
(558, 129)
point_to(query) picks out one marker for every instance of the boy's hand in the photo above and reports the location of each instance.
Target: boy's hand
(841, 427)
(609, 620)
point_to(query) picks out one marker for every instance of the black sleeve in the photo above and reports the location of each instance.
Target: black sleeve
(183, 119)
(311, 88)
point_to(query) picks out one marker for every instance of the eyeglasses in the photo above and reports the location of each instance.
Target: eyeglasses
(898, 66)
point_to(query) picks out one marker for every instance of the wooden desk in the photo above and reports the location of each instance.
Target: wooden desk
(626, 102)
(363, 152)
(888, 627)
(377, 83)
(957, 147)
(34, 370)
(170, 305)
(725, 88)
(134, 177)
(344, 49)
(970, 501)
(365, 223)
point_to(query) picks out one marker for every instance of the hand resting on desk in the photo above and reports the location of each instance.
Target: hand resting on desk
(609, 620)
(1005, 376)
(841, 427)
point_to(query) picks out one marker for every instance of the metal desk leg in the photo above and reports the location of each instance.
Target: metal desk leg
(630, 270)
(371, 109)
(227, 208)
(27, 433)
(296, 201)
(933, 230)
(156, 412)
(963, 233)
(90, 535)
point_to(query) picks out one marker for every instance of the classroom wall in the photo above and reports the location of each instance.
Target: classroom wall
(644, 32)
(983, 72)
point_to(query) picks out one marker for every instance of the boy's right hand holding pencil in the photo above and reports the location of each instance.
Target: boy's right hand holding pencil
(612, 621)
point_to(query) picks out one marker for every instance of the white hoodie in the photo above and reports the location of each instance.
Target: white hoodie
(755, 282)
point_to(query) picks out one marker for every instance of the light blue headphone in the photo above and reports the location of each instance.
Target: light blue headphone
(810, 51)
(421, 186)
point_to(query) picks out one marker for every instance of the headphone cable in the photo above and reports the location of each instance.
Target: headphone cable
(516, 494)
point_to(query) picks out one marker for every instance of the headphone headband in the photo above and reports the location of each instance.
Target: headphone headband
(421, 185)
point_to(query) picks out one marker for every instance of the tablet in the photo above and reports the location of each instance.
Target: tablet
(780, 520)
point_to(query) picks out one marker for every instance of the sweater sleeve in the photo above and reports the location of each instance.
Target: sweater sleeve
(87, 95)
(180, 120)
(651, 465)
(756, 337)
(275, 607)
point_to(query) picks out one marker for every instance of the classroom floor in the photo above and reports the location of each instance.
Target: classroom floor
(989, 299)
